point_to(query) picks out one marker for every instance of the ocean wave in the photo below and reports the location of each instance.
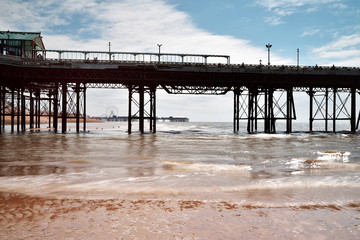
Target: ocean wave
(204, 167)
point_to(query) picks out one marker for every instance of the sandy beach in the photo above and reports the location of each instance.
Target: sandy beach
(30, 217)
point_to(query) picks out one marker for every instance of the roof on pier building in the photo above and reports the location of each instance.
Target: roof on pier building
(20, 43)
(23, 36)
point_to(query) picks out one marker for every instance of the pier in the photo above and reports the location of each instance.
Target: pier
(53, 83)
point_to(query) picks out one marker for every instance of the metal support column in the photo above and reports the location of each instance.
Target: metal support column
(56, 107)
(12, 110)
(251, 110)
(311, 100)
(353, 110)
(23, 110)
(271, 111)
(289, 106)
(326, 109)
(129, 110)
(266, 116)
(84, 106)
(50, 106)
(64, 107)
(31, 111)
(236, 121)
(38, 109)
(18, 110)
(269, 125)
(77, 91)
(334, 109)
(153, 109)
(256, 109)
(1, 106)
(141, 108)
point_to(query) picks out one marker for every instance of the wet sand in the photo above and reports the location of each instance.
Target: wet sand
(40, 217)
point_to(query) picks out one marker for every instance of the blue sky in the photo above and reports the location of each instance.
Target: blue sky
(327, 32)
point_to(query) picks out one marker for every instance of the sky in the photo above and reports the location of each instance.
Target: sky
(326, 32)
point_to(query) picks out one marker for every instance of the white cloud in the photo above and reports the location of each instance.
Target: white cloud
(273, 20)
(132, 25)
(344, 51)
(310, 31)
(282, 8)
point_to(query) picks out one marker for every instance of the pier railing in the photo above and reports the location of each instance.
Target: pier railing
(103, 56)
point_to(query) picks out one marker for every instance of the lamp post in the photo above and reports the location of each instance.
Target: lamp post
(268, 47)
(109, 52)
(298, 58)
(159, 45)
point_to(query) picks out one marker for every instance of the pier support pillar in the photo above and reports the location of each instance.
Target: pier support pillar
(77, 114)
(18, 110)
(252, 110)
(12, 110)
(84, 106)
(141, 108)
(152, 109)
(64, 107)
(269, 124)
(334, 109)
(353, 110)
(236, 121)
(311, 101)
(23, 110)
(31, 113)
(147, 100)
(290, 109)
(129, 109)
(56, 107)
(1, 107)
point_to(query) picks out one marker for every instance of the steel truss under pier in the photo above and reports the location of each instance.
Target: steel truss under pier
(140, 105)
(46, 103)
(331, 105)
(266, 104)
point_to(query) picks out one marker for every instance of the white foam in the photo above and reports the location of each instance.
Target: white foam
(340, 156)
(205, 167)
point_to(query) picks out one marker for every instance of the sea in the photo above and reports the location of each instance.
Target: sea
(189, 180)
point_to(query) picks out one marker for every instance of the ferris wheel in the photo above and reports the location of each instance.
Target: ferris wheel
(112, 112)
